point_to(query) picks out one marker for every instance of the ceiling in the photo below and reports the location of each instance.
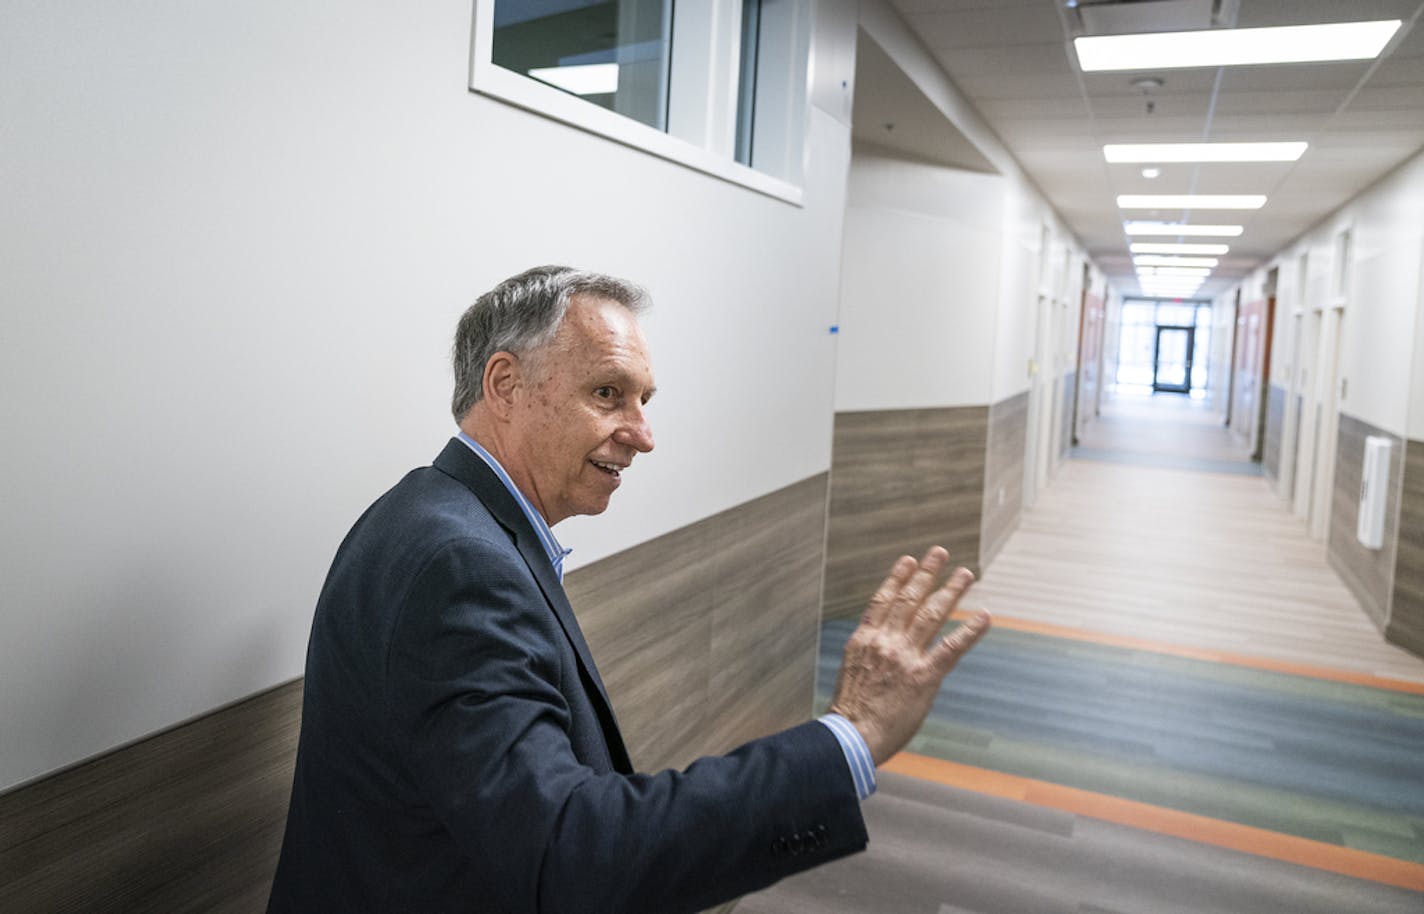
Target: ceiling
(1014, 61)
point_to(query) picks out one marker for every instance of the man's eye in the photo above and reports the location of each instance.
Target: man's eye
(604, 393)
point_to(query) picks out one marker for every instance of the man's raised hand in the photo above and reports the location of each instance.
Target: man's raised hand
(894, 662)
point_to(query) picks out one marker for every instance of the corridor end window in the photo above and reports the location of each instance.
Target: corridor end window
(716, 85)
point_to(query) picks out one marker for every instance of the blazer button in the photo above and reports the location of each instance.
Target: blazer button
(779, 847)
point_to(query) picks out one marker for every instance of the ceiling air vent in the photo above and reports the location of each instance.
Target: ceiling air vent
(1131, 17)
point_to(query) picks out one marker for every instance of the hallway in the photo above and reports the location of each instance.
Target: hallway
(1163, 530)
(1181, 709)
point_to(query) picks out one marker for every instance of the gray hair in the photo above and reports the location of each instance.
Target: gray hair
(521, 315)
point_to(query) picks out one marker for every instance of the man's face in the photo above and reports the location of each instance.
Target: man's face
(581, 415)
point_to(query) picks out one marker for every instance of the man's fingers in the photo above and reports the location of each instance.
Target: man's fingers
(920, 585)
(932, 613)
(957, 643)
(889, 590)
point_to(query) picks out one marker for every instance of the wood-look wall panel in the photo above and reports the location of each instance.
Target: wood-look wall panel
(647, 615)
(1275, 424)
(1004, 472)
(766, 615)
(691, 628)
(188, 820)
(706, 637)
(1367, 572)
(1406, 613)
(901, 480)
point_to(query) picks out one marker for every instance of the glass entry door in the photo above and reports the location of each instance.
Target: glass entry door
(1172, 360)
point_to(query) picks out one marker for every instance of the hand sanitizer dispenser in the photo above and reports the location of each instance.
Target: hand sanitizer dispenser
(1374, 487)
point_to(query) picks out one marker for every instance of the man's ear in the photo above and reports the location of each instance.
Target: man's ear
(502, 379)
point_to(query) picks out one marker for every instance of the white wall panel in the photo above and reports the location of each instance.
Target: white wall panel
(1382, 316)
(1020, 282)
(1024, 209)
(235, 243)
(1383, 340)
(919, 285)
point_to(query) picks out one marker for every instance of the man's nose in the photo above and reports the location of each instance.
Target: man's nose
(637, 433)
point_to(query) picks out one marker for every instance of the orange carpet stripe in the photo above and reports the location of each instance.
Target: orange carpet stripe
(1244, 838)
(1260, 663)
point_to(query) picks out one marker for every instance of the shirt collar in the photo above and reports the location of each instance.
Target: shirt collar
(556, 552)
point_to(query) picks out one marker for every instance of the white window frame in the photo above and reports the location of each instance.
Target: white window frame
(710, 97)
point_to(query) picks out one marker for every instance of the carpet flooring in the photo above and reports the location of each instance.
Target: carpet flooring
(1328, 761)
(1331, 762)
(942, 850)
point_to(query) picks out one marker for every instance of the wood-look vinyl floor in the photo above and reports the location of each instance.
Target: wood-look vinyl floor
(1126, 546)
(1162, 424)
(937, 849)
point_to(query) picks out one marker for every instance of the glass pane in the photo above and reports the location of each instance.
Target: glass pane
(747, 81)
(1134, 366)
(1137, 312)
(613, 53)
(1202, 360)
(1171, 358)
(1177, 315)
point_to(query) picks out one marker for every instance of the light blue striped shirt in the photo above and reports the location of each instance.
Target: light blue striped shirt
(857, 754)
(556, 552)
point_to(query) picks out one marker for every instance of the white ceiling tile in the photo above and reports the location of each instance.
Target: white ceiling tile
(1304, 101)
(1018, 108)
(1263, 13)
(943, 6)
(1386, 119)
(1164, 108)
(1013, 86)
(1001, 61)
(1012, 61)
(1399, 71)
(1344, 75)
(999, 26)
(1403, 98)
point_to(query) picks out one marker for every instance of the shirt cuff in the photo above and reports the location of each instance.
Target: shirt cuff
(857, 754)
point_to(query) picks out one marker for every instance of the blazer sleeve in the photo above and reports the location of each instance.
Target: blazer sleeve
(475, 698)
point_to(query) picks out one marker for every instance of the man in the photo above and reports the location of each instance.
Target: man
(458, 752)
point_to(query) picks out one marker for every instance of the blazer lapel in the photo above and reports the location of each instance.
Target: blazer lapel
(459, 461)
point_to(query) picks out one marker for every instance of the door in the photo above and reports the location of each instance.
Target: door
(1290, 434)
(1327, 422)
(1172, 360)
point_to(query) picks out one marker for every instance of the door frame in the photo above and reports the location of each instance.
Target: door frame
(1186, 386)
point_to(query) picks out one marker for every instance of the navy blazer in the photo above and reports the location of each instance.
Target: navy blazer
(458, 751)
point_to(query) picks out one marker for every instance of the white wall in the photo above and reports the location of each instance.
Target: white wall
(235, 242)
(919, 286)
(1383, 337)
(1223, 344)
(1022, 215)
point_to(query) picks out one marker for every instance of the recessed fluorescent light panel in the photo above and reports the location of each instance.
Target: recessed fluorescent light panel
(581, 79)
(1204, 152)
(1202, 272)
(1173, 229)
(1235, 47)
(1154, 260)
(1152, 247)
(1191, 201)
